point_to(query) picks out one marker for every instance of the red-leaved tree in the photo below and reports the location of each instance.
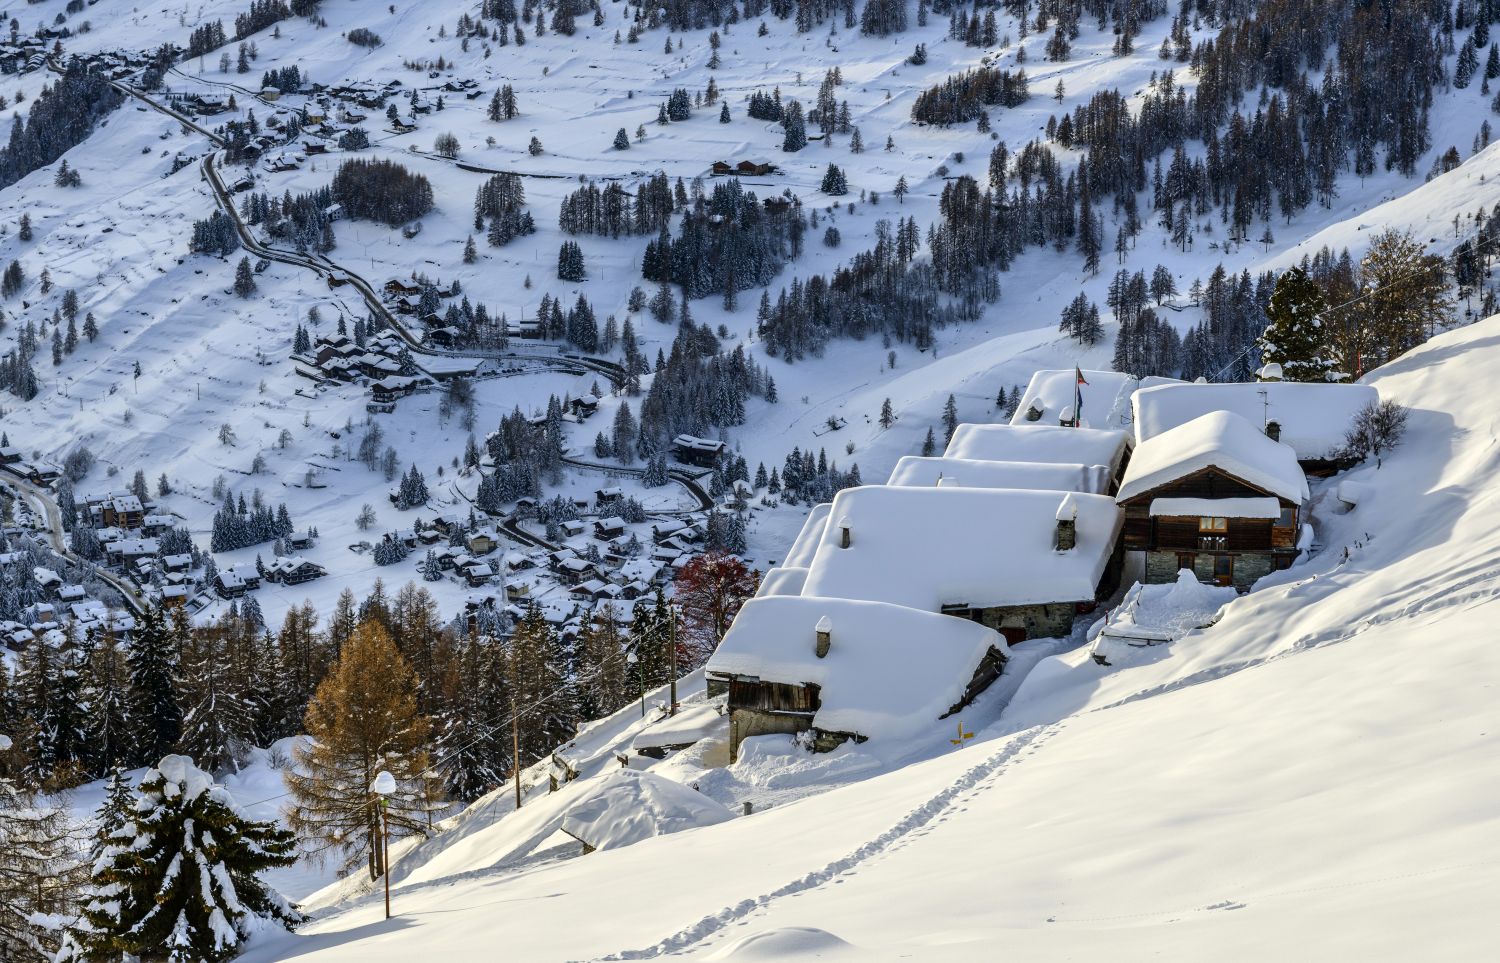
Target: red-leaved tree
(709, 592)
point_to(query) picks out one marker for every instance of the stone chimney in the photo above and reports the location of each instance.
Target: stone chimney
(1273, 430)
(1067, 524)
(824, 631)
(845, 533)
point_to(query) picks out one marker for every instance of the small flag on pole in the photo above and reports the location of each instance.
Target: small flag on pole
(1078, 383)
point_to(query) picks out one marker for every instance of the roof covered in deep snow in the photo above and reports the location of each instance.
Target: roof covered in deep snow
(1313, 417)
(1222, 440)
(1039, 443)
(913, 471)
(889, 670)
(980, 547)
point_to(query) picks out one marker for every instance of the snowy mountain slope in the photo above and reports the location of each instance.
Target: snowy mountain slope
(573, 92)
(1315, 769)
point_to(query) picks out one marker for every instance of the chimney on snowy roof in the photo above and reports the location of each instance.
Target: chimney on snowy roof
(824, 630)
(844, 532)
(1067, 523)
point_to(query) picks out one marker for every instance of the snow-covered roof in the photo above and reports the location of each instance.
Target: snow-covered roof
(628, 807)
(1106, 398)
(980, 547)
(1222, 440)
(692, 723)
(914, 471)
(1039, 443)
(806, 543)
(1221, 507)
(1313, 417)
(890, 671)
(782, 580)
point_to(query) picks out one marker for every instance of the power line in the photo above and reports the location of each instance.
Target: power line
(626, 650)
(1483, 242)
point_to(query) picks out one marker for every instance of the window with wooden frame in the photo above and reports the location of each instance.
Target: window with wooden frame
(1186, 560)
(1213, 524)
(1288, 518)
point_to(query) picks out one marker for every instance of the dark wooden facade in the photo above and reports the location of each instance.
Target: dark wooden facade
(1222, 548)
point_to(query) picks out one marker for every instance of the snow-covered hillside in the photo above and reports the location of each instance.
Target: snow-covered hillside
(1314, 769)
(1311, 767)
(208, 359)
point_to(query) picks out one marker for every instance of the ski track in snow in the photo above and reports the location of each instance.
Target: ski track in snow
(925, 815)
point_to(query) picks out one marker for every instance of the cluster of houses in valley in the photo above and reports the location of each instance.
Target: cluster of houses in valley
(598, 568)
(383, 363)
(898, 604)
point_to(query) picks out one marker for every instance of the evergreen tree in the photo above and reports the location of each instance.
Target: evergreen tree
(1294, 338)
(179, 880)
(244, 279)
(153, 661)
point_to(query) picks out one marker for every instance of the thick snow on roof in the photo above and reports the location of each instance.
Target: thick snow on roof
(1220, 507)
(890, 671)
(1313, 417)
(1040, 443)
(982, 547)
(782, 580)
(692, 723)
(914, 471)
(630, 807)
(1106, 398)
(1220, 439)
(801, 553)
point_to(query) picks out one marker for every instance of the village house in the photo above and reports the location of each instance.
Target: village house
(1311, 418)
(292, 570)
(700, 452)
(1047, 444)
(1214, 496)
(1021, 562)
(608, 528)
(482, 541)
(843, 669)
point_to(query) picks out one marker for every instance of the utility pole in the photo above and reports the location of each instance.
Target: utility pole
(672, 642)
(515, 747)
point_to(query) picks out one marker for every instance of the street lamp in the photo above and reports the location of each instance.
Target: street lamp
(632, 659)
(383, 786)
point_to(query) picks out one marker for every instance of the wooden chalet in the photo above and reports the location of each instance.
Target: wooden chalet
(700, 452)
(1216, 497)
(841, 669)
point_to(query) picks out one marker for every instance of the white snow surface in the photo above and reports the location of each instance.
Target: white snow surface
(783, 580)
(1050, 444)
(1313, 417)
(1106, 398)
(629, 807)
(1316, 768)
(1222, 440)
(914, 471)
(981, 547)
(1221, 507)
(805, 546)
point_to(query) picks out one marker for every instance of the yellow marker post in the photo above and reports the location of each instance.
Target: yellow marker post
(962, 736)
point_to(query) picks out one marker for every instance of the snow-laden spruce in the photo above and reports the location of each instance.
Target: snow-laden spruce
(177, 878)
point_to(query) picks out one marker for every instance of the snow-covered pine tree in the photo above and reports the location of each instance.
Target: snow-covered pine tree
(179, 880)
(39, 871)
(1294, 338)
